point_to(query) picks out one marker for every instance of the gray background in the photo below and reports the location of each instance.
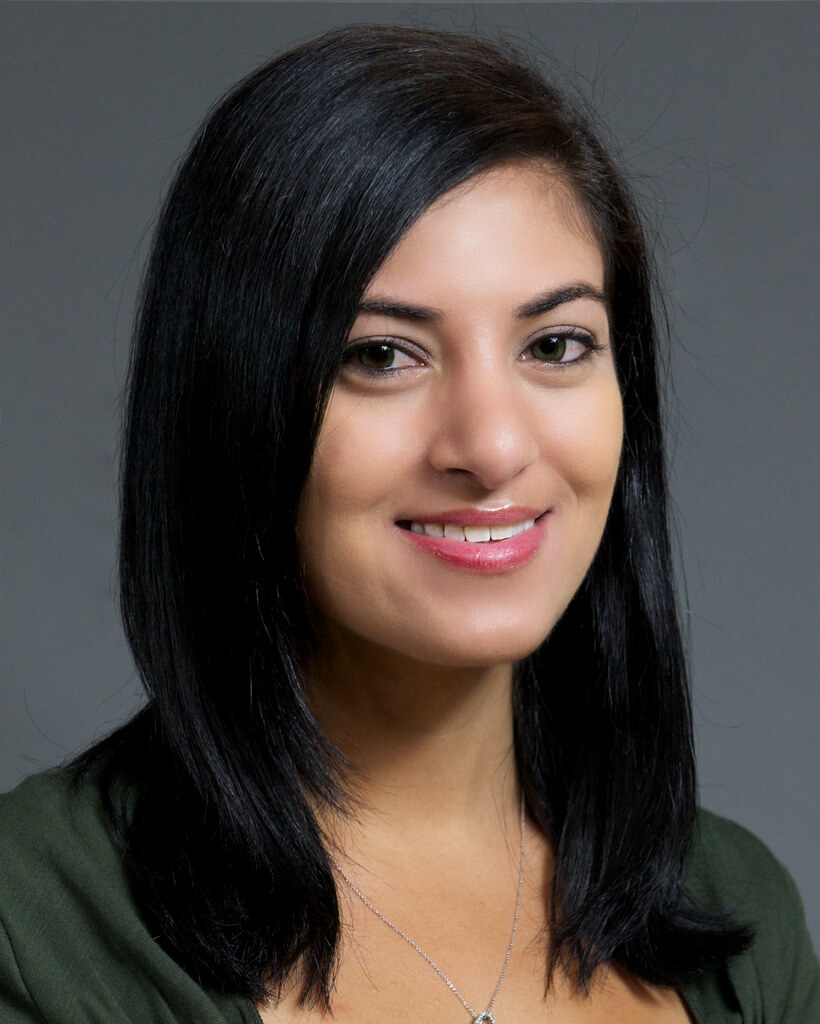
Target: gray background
(714, 107)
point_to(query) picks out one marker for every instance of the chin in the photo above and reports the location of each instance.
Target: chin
(479, 648)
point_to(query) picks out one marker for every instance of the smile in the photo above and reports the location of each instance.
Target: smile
(471, 534)
(491, 546)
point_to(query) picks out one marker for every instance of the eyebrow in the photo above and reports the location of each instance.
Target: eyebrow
(550, 300)
(541, 304)
(401, 310)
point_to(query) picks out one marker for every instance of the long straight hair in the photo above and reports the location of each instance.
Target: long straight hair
(293, 193)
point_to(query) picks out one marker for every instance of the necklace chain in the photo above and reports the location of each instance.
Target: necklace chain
(478, 1018)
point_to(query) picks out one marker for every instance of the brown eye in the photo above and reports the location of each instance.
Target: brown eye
(376, 357)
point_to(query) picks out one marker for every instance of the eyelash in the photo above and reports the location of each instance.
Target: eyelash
(567, 334)
(583, 338)
(372, 343)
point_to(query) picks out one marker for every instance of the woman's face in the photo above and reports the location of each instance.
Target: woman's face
(478, 399)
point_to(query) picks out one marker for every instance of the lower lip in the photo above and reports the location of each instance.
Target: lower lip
(492, 556)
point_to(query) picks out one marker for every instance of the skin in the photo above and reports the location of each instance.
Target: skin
(414, 679)
(469, 418)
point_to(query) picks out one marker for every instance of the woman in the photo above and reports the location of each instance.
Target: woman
(396, 575)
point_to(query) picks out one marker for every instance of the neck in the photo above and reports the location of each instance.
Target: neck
(432, 745)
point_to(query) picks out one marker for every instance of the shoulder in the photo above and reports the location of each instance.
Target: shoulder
(729, 863)
(73, 944)
(732, 871)
(55, 839)
(43, 810)
(54, 855)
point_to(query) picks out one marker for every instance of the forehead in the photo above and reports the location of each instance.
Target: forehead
(504, 232)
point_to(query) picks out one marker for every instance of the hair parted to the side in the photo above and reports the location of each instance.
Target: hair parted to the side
(293, 193)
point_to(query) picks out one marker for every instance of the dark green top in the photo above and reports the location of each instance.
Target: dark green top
(75, 950)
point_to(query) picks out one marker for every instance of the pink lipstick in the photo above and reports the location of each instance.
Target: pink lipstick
(489, 541)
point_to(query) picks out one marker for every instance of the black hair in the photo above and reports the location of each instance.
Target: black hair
(294, 191)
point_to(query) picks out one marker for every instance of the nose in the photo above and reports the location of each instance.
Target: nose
(482, 427)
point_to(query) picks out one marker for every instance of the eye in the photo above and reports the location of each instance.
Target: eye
(562, 347)
(378, 357)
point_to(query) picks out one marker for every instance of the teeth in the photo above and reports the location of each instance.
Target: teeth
(471, 534)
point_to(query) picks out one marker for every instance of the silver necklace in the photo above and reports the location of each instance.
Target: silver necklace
(478, 1018)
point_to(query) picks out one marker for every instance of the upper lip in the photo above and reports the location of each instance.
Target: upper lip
(508, 516)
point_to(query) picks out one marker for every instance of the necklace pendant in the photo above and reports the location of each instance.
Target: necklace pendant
(484, 1018)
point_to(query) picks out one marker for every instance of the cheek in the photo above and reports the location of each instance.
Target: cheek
(584, 437)
(360, 454)
(360, 461)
